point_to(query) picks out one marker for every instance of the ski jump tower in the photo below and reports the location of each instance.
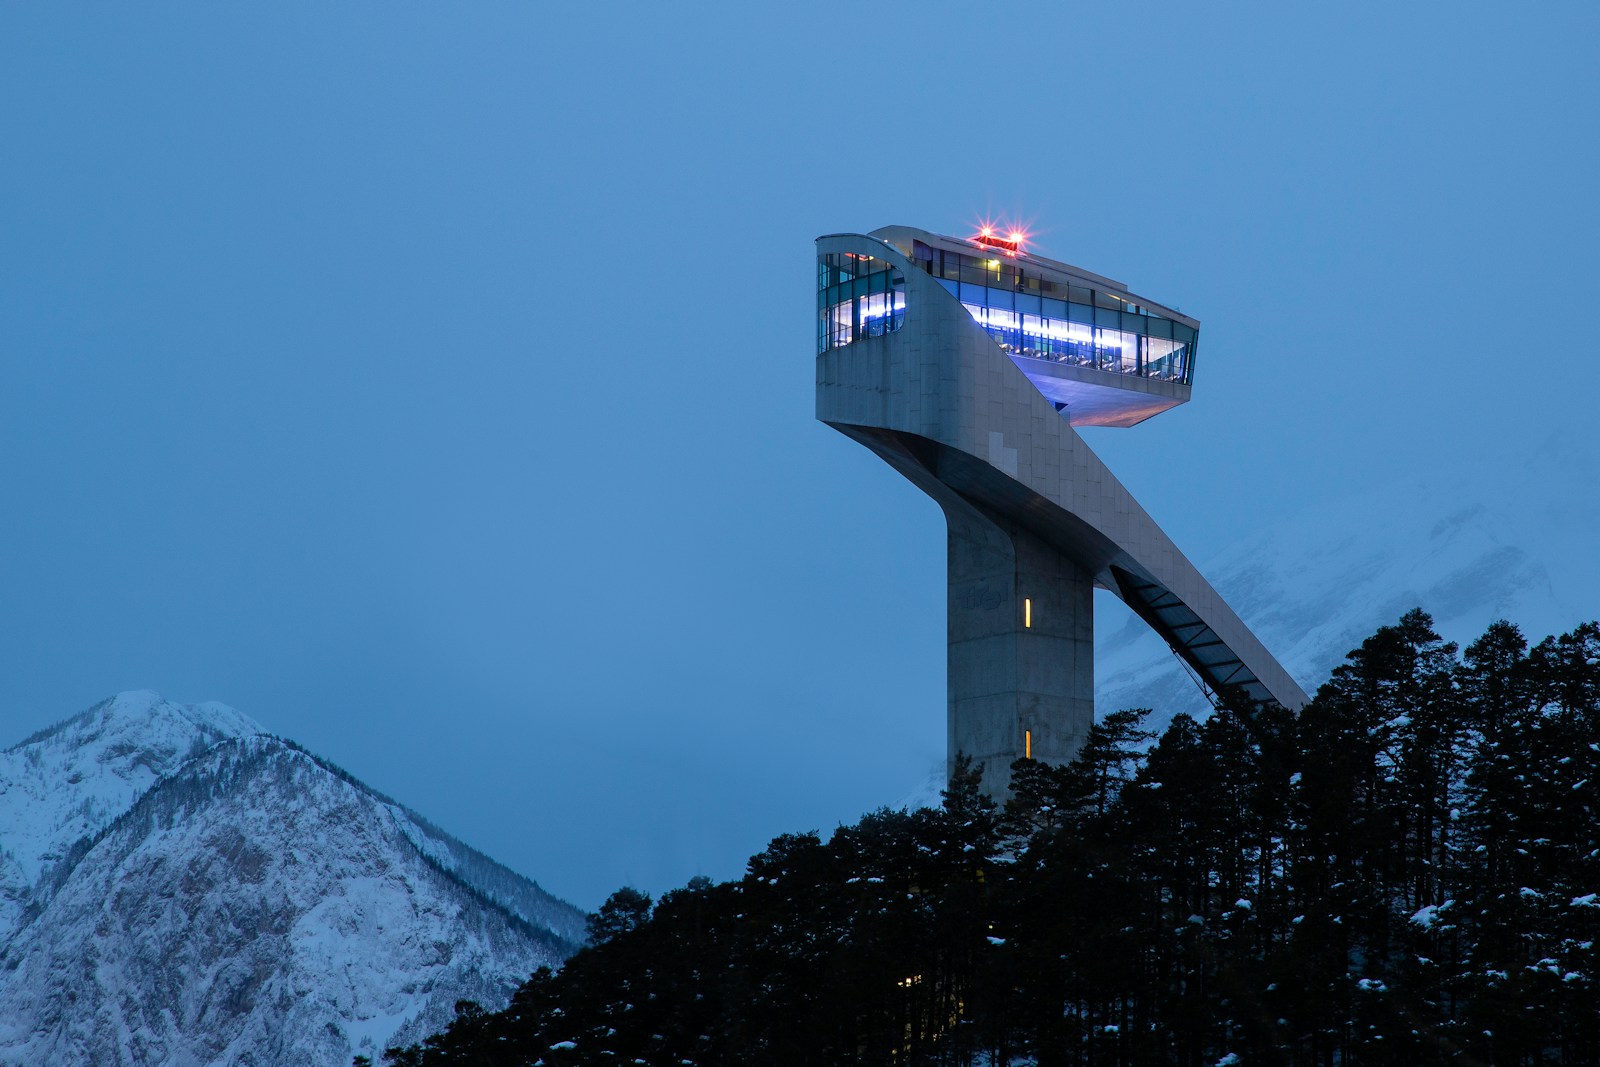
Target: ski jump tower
(965, 364)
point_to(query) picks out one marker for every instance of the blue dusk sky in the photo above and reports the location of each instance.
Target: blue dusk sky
(434, 382)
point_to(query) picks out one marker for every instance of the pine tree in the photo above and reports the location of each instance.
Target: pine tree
(623, 912)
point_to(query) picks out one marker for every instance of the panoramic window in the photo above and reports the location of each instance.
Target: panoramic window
(857, 296)
(1041, 318)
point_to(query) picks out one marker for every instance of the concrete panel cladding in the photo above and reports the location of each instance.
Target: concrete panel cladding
(965, 366)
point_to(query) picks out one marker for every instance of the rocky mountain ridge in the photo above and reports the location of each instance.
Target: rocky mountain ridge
(180, 887)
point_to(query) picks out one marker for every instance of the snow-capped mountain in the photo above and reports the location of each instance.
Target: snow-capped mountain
(1516, 541)
(178, 887)
(64, 783)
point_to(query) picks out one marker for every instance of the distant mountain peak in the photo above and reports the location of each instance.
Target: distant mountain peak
(136, 705)
(178, 885)
(1512, 540)
(67, 781)
(146, 712)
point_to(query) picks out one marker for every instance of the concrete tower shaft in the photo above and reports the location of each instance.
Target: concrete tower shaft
(1035, 519)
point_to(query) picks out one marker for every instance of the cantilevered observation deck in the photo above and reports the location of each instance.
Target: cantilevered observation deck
(965, 363)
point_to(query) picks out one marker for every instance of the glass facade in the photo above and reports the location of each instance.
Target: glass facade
(1041, 318)
(857, 296)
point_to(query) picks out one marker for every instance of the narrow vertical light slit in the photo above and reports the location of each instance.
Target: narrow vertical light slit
(1027, 613)
(1027, 744)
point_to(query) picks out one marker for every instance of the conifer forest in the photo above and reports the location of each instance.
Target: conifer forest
(1406, 872)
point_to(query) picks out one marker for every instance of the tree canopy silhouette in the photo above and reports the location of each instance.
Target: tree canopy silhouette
(1406, 872)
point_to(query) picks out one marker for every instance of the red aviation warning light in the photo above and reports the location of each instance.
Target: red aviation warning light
(1008, 243)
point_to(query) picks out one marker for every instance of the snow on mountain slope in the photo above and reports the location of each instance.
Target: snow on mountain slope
(509, 890)
(186, 889)
(68, 781)
(1513, 542)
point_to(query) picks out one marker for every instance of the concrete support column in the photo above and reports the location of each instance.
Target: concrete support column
(1021, 654)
